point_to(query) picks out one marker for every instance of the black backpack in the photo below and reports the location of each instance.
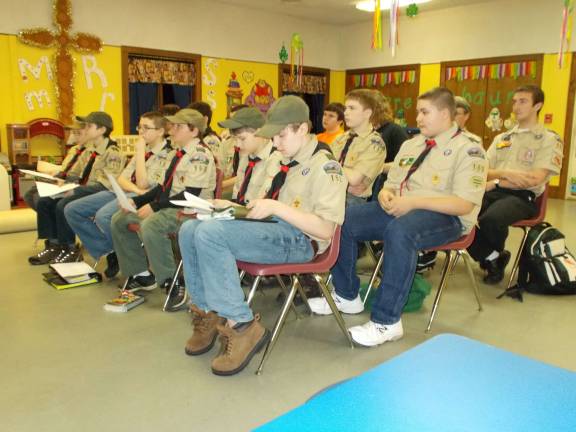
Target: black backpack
(546, 266)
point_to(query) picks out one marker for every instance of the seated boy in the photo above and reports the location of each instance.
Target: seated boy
(192, 169)
(361, 150)
(432, 196)
(332, 122)
(305, 197)
(101, 155)
(90, 217)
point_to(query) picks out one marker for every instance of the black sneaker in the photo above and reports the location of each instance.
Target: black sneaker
(426, 261)
(113, 268)
(496, 268)
(141, 283)
(177, 298)
(68, 255)
(46, 255)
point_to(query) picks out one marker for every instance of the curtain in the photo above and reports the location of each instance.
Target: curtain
(180, 95)
(143, 98)
(316, 104)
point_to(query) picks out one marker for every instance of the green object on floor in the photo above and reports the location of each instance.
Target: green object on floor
(420, 289)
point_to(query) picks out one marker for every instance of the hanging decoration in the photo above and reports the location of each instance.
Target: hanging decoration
(493, 71)
(63, 63)
(565, 30)
(412, 10)
(296, 59)
(384, 78)
(393, 39)
(377, 27)
(283, 54)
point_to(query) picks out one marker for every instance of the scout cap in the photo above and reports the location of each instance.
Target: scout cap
(244, 118)
(285, 111)
(189, 116)
(98, 118)
(462, 103)
(75, 125)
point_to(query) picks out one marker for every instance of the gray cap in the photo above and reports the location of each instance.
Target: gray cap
(98, 118)
(462, 103)
(244, 118)
(285, 111)
(190, 117)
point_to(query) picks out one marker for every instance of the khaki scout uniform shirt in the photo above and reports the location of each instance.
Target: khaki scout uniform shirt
(455, 166)
(155, 165)
(527, 150)
(215, 146)
(109, 160)
(259, 172)
(366, 154)
(69, 155)
(316, 185)
(197, 169)
(228, 145)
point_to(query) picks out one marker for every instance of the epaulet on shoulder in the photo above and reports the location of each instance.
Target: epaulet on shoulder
(471, 137)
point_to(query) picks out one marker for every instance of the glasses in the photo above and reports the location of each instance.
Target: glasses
(145, 128)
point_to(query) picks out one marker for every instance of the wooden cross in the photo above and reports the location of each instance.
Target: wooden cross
(63, 61)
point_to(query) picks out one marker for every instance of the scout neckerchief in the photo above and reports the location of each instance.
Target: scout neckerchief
(252, 161)
(146, 157)
(344, 153)
(72, 162)
(235, 161)
(430, 144)
(88, 168)
(169, 176)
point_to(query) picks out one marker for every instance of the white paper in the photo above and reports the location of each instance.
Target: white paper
(123, 200)
(37, 174)
(51, 190)
(68, 270)
(193, 202)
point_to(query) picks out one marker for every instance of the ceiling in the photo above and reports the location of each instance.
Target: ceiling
(334, 11)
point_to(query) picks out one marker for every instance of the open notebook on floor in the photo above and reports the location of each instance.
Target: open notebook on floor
(71, 275)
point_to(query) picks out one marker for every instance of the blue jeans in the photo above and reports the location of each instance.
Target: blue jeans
(210, 250)
(402, 238)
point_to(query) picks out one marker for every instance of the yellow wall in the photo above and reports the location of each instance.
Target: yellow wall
(95, 76)
(429, 77)
(337, 86)
(216, 75)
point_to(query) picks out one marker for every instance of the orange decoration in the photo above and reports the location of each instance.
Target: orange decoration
(63, 62)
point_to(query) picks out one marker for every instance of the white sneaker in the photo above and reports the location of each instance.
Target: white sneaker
(320, 306)
(372, 334)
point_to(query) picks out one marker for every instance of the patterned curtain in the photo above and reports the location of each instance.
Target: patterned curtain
(311, 84)
(146, 70)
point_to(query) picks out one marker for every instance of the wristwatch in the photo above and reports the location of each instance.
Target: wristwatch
(496, 183)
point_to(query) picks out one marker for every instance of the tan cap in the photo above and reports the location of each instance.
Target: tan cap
(189, 116)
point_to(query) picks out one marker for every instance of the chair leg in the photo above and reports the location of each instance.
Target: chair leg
(517, 259)
(285, 291)
(173, 284)
(253, 289)
(370, 251)
(242, 274)
(278, 326)
(302, 293)
(468, 262)
(448, 265)
(335, 311)
(374, 276)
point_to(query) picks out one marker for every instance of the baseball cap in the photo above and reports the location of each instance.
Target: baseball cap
(285, 111)
(246, 117)
(98, 118)
(462, 103)
(189, 116)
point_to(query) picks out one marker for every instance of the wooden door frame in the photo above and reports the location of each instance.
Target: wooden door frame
(130, 51)
(307, 70)
(560, 191)
(383, 69)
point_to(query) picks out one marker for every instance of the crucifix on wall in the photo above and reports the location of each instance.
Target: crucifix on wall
(64, 42)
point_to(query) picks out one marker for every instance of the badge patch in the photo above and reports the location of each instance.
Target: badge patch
(527, 156)
(478, 168)
(305, 171)
(557, 161)
(406, 161)
(200, 158)
(435, 180)
(476, 152)
(447, 152)
(331, 167)
(503, 144)
(477, 181)
(378, 143)
(296, 203)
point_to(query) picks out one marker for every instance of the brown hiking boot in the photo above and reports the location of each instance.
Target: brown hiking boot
(205, 333)
(240, 346)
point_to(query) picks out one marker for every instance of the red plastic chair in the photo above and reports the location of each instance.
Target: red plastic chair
(459, 247)
(526, 224)
(321, 264)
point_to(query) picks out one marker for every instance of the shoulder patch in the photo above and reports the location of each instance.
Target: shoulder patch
(476, 152)
(199, 157)
(471, 138)
(332, 167)
(378, 143)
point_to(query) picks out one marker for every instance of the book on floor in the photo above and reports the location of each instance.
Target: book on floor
(73, 272)
(124, 302)
(58, 282)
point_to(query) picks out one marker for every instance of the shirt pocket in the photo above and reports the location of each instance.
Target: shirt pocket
(438, 174)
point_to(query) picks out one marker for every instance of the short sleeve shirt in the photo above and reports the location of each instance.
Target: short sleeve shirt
(197, 169)
(155, 165)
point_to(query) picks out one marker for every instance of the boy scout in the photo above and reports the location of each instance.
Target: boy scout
(209, 137)
(257, 150)
(306, 198)
(463, 112)
(192, 169)
(431, 197)
(521, 161)
(90, 217)
(102, 155)
(361, 150)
